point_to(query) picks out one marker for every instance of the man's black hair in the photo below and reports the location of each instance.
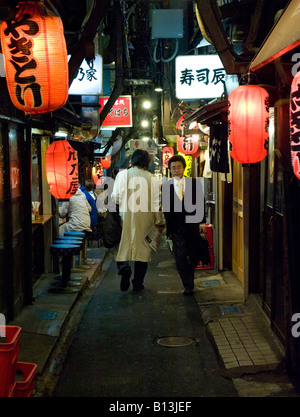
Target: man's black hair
(177, 158)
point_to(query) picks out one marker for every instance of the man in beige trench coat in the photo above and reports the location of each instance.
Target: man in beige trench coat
(137, 192)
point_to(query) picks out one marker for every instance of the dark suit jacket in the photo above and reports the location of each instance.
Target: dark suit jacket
(188, 211)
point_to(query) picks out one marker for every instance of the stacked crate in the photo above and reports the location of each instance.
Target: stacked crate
(209, 237)
(10, 367)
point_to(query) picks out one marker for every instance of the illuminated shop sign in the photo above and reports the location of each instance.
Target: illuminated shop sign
(120, 115)
(199, 76)
(89, 79)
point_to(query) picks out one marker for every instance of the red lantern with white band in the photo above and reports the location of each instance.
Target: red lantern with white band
(248, 123)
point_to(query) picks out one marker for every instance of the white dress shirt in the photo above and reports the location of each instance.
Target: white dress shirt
(179, 185)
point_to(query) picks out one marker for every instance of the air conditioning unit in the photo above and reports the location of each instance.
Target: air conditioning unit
(167, 23)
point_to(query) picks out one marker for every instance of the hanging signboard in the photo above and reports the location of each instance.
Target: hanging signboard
(120, 115)
(145, 144)
(89, 79)
(199, 76)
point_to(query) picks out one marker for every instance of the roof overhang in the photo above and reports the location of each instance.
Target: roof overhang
(284, 37)
(209, 113)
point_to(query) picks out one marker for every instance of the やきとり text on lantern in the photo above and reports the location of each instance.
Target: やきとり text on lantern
(61, 169)
(35, 58)
(295, 124)
(248, 123)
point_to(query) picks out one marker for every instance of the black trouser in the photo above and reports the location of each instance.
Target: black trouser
(187, 253)
(140, 269)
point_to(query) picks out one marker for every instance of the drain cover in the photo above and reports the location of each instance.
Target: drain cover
(175, 341)
(211, 283)
(47, 315)
(230, 310)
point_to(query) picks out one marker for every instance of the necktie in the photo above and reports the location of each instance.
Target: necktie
(180, 189)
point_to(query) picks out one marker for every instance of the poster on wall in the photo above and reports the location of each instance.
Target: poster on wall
(120, 115)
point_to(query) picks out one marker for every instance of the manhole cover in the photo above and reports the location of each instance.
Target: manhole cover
(175, 341)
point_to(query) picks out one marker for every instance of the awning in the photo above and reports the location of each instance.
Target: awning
(209, 112)
(284, 36)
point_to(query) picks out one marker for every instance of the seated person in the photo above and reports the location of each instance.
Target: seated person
(89, 186)
(78, 211)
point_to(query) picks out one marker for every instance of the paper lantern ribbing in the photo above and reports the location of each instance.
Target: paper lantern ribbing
(295, 124)
(35, 59)
(248, 123)
(61, 169)
(187, 144)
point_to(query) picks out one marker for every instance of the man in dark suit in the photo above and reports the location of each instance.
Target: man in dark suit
(183, 207)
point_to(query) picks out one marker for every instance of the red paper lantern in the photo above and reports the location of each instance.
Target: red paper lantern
(105, 162)
(295, 124)
(187, 144)
(248, 122)
(168, 152)
(35, 58)
(61, 169)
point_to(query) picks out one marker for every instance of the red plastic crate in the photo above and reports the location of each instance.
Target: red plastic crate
(25, 387)
(209, 236)
(8, 359)
(212, 261)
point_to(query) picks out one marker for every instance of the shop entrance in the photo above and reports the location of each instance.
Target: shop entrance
(237, 222)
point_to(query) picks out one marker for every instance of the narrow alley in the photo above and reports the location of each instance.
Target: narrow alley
(158, 343)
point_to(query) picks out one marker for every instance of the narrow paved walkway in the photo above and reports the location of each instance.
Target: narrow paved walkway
(119, 349)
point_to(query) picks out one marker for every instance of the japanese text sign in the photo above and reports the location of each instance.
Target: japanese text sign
(199, 76)
(89, 79)
(120, 115)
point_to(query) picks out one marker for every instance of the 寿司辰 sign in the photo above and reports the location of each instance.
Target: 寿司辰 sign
(120, 115)
(199, 76)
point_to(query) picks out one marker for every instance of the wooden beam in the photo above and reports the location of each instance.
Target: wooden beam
(218, 36)
(88, 35)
